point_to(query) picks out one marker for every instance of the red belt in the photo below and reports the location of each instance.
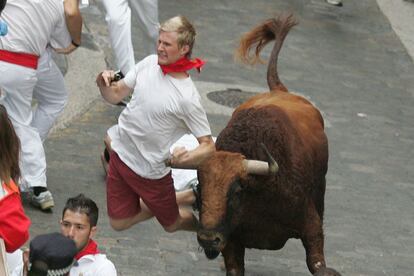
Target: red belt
(23, 59)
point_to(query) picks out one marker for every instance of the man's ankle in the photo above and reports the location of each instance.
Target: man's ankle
(37, 190)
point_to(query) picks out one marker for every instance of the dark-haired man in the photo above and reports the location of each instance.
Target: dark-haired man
(79, 220)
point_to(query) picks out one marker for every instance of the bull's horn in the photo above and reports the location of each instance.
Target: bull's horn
(256, 167)
(262, 167)
(273, 166)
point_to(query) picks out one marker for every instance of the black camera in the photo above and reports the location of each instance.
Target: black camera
(118, 76)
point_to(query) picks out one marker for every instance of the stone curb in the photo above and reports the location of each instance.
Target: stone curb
(401, 17)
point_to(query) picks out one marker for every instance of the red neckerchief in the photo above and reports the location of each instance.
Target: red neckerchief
(90, 249)
(182, 65)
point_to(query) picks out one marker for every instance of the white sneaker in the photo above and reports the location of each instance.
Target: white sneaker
(334, 2)
(44, 200)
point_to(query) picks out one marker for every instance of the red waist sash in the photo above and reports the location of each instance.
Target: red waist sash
(23, 59)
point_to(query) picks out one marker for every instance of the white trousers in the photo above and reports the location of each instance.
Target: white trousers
(20, 85)
(17, 83)
(118, 18)
(50, 94)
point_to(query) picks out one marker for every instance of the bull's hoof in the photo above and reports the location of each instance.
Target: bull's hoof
(326, 271)
(211, 254)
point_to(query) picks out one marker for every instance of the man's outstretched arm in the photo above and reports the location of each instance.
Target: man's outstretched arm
(112, 91)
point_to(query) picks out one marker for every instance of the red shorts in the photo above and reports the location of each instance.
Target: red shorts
(124, 188)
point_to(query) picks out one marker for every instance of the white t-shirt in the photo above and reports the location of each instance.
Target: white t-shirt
(32, 24)
(161, 110)
(93, 265)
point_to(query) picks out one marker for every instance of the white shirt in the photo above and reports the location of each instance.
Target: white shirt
(14, 260)
(93, 265)
(32, 24)
(88, 265)
(161, 110)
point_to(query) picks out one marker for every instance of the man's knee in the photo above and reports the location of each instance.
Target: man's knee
(173, 227)
(119, 225)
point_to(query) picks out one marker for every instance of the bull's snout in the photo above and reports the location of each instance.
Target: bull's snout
(212, 242)
(212, 239)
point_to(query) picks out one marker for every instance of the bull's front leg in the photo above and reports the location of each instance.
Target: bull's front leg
(313, 240)
(233, 254)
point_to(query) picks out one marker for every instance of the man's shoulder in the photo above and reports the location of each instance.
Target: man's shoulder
(102, 257)
(96, 258)
(98, 264)
(149, 60)
(105, 264)
(148, 63)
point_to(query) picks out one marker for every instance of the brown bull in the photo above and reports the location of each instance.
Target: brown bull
(247, 207)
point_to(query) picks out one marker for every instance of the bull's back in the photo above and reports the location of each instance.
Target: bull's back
(302, 113)
(300, 118)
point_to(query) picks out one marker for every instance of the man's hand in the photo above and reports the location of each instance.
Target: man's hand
(181, 158)
(178, 154)
(112, 91)
(66, 50)
(105, 78)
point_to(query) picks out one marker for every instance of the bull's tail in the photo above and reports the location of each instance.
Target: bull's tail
(259, 37)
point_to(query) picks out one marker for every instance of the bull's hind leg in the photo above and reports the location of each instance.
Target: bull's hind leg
(313, 240)
(233, 254)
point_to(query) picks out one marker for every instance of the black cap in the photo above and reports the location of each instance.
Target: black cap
(55, 251)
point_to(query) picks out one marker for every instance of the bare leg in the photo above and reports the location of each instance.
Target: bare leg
(123, 224)
(185, 198)
(186, 221)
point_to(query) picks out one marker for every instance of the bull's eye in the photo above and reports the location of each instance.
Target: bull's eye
(235, 188)
(238, 190)
(233, 195)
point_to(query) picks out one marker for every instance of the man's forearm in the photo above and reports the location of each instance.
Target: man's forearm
(110, 94)
(73, 20)
(193, 158)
